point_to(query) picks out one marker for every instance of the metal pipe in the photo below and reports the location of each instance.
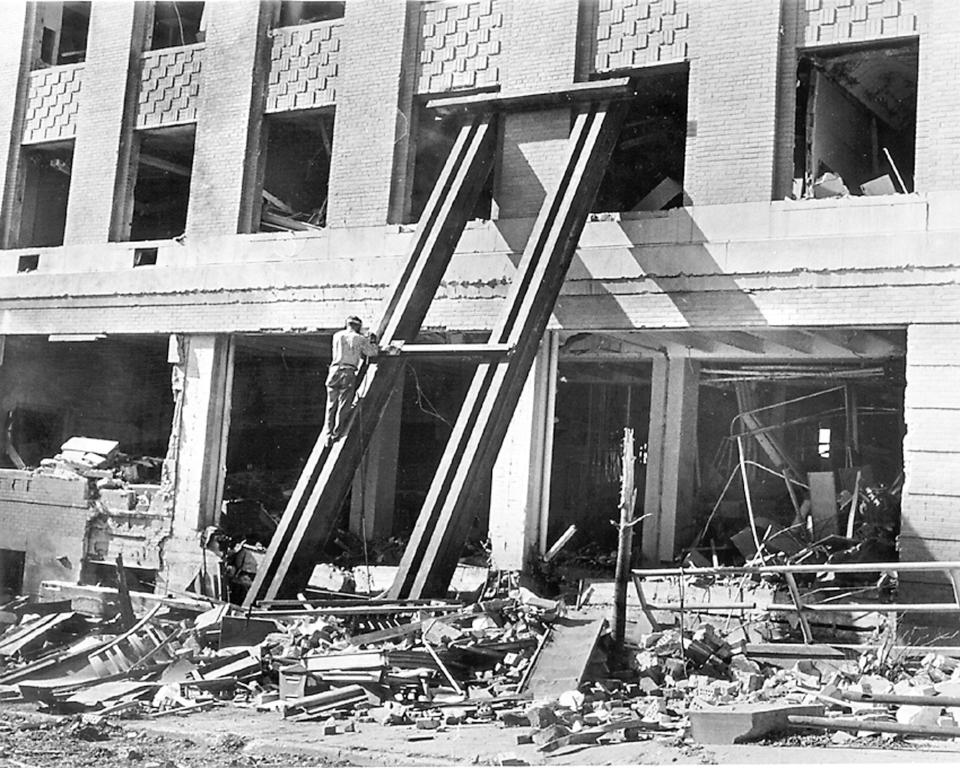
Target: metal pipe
(736, 570)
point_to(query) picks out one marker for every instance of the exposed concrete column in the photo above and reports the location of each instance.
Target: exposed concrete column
(732, 101)
(101, 176)
(520, 489)
(17, 31)
(540, 52)
(195, 464)
(938, 134)
(227, 160)
(671, 455)
(371, 131)
(929, 525)
(375, 484)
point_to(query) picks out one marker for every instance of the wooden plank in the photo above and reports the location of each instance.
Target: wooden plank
(431, 555)
(562, 664)
(823, 503)
(312, 512)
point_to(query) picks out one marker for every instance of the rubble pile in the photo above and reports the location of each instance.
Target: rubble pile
(511, 659)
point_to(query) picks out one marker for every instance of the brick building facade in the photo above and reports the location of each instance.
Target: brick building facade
(148, 151)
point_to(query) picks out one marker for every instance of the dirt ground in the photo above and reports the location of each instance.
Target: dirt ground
(232, 736)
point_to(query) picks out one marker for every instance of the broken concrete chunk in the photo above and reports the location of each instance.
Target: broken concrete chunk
(740, 723)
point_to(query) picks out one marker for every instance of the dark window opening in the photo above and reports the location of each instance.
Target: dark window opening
(646, 168)
(162, 191)
(293, 12)
(63, 32)
(435, 137)
(11, 574)
(28, 262)
(116, 388)
(144, 257)
(296, 173)
(177, 23)
(46, 188)
(856, 122)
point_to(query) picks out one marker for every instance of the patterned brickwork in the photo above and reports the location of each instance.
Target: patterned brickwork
(169, 86)
(53, 99)
(304, 64)
(459, 44)
(847, 21)
(636, 33)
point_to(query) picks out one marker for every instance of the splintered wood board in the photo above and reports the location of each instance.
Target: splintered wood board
(563, 662)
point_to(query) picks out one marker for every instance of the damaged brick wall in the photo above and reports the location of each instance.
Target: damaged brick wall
(45, 517)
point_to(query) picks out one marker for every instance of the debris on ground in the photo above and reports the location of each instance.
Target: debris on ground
(510, 658)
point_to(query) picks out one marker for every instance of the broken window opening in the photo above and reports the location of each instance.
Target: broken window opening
(646, 168)
(45, 175)
(297, 172)
(434, 137)
(177, 23)
(62, 29)
(162, 192)
(294, 12)
(115, 388)
(856, 121)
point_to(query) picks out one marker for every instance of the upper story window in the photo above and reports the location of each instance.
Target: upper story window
(177, 23)
(646, 167)
(293, 12)
(62, 33)
(856, 121)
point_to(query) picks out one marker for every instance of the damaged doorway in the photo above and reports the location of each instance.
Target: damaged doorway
(595, 401)
(856, 121)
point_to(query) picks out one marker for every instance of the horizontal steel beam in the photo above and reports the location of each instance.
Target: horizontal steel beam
(483, 351)
(574, 93)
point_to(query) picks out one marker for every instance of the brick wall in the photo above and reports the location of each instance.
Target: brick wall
(101, 161)
(45, 517)
(227, 148)
(540, 52)
(930, 525)
(304, 66)
(170, 86)
(853, 21)
(459, 44)
(938, 105)
(374, 113)
(53, 100)
(732, 101)
(16, 32)
(636, 33)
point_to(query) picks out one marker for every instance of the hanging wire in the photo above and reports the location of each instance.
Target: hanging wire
(422, 398)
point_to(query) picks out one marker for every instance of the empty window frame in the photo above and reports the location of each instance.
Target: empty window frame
(162, 192)
(434, 137)
(293, 12)
(297, 171)
(62, 33)
(646, 168)
(856, 121)
(45, 179)
(177, 23)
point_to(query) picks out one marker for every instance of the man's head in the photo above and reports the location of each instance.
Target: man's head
(355, 323)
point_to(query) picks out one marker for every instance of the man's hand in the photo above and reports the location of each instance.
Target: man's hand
(373, 338)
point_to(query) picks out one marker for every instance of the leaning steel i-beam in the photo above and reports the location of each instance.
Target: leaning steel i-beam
(313, 509)
(444, 521)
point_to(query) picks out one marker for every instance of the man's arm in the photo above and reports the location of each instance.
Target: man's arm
(370, 348)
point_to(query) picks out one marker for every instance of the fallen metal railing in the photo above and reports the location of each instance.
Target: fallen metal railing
(797, 605)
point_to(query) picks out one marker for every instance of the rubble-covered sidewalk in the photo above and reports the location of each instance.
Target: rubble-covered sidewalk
(541, 682)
